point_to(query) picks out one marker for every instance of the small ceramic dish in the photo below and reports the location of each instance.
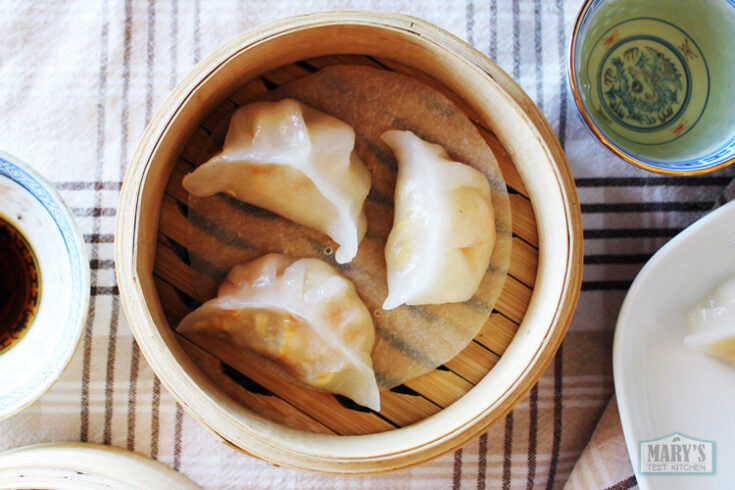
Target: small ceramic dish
(663, 388)
(652, 81)
(32, 364)
(77, 465)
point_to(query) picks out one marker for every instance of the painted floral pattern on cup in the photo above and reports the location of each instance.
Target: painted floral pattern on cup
(644, 86)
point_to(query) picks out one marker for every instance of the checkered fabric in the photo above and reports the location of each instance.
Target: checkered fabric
(81, 78)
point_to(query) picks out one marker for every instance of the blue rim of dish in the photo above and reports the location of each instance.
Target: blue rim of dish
(20, 398)
(721, 157)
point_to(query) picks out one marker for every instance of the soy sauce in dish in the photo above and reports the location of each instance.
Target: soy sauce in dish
(20, 285)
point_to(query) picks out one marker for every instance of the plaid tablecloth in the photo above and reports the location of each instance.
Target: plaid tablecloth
(79, 80)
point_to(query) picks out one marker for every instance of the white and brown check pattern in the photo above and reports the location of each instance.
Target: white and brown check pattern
(81, 78)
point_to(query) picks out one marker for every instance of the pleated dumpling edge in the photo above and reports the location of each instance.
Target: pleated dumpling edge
(295, 161)
(443, 233)
(300, 317)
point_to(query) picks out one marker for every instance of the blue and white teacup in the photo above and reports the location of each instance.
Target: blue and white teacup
(653, 80)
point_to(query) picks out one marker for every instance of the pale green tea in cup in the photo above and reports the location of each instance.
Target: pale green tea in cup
(655, 79)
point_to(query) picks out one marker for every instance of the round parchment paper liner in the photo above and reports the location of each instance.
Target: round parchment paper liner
(410, 340)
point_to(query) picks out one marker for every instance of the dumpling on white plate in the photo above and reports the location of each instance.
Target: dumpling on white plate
(300, 313)
(712, 324)
(295, 161)
(443, 227)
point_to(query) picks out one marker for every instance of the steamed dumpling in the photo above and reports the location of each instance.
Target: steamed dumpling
(712, 324)
(300, 313)
(295, 161)
(443, 227)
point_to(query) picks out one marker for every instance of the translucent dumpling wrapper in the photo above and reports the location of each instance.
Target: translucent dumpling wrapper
(409, 340)
(443, 228)
(295, 161)
(300, 313)
(712, 324)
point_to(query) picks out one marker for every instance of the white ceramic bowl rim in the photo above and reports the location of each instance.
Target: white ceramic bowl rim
(84, 465)
(48, 371)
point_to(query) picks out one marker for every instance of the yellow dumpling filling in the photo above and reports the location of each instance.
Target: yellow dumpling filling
(283, 338)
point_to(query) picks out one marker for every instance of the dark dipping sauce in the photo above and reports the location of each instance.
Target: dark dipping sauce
(20, 285)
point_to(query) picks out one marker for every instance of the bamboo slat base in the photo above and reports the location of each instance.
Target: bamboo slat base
(295, 406)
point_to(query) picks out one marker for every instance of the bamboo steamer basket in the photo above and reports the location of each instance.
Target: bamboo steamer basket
(430, 415)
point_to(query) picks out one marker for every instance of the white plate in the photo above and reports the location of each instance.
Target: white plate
(662, 387)
(78, 465)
